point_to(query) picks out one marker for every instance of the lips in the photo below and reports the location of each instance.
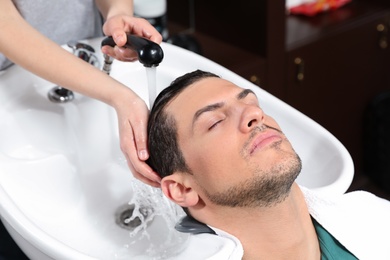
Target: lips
(264, 139)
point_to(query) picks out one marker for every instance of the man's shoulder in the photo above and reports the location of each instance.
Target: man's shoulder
(355, 200)
(358, 219)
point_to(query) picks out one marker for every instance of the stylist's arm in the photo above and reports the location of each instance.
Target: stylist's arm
(132, 113)
(24, 45)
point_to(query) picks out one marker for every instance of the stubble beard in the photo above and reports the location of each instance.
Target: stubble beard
(264, 189)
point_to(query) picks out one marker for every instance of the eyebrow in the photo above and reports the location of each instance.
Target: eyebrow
(216, 106)
(245, 93)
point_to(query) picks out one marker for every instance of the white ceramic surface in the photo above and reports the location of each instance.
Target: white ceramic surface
(62, 175)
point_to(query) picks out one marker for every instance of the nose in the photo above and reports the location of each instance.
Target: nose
(251, 117)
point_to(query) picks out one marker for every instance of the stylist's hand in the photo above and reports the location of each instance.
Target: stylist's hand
(117, 26)
(132, 119)
(132, 111)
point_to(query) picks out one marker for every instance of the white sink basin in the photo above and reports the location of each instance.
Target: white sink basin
(63, 177)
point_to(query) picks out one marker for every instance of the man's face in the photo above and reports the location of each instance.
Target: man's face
(237, 154)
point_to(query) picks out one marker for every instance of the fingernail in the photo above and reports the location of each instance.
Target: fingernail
(131, 59)
(147, 34)
(119, 38)
(143, 154)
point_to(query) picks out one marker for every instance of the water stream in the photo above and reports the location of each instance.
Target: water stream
(152, 87)
(155, 234)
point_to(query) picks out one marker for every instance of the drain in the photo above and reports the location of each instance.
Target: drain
(60, 95)
(126, 218)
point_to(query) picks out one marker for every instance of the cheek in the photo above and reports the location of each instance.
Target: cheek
(209, 151)
(213, 163)
(205, 159)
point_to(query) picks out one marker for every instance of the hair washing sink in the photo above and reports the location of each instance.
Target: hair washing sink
(66, 191)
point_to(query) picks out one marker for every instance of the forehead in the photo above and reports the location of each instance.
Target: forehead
(199, 94)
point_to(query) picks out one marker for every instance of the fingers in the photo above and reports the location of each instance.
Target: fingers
(140, 139)
(151, 178)
(122, 54)
(139, 168)
(133, 141)
(119, 36)
(143, 28)
(118, 26)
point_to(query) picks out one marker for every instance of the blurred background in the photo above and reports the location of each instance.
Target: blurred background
(328, 59)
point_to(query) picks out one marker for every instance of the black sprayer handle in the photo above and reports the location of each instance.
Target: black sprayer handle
(149, 53)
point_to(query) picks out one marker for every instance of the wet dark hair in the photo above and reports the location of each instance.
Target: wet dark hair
(165, 156)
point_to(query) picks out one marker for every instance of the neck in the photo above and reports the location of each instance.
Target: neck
(283, 231)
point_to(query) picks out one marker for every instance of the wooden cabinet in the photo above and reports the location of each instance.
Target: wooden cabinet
(333, 79)
(230, 33)
(329, 66)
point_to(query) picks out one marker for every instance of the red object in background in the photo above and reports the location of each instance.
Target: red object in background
(311, 9)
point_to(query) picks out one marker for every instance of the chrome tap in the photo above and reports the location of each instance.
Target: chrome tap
(83, 51)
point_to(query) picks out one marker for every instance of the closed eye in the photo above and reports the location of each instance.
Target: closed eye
(215, 124)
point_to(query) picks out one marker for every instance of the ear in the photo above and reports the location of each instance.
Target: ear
(178, 189)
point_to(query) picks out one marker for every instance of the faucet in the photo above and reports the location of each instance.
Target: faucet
(149, 53)
(83, 51)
